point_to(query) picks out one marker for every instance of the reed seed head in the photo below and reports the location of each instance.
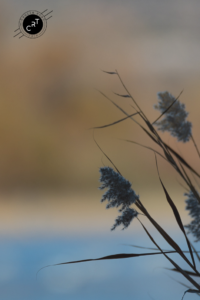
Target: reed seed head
(174, 119)
(119, 193)
(194, 207)
(127, 216)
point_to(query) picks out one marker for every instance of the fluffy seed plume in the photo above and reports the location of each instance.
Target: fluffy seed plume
(174, 119)
(194, 207)
(119, 193)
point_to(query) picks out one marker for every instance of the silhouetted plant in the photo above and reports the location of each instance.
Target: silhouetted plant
(120, 193)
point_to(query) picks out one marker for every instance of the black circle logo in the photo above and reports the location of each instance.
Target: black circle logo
(32, 24)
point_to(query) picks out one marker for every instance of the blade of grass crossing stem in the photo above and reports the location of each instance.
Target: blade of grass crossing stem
(181, 160)
(149, 134)
(116, 105)
(176, 214)
(167, 108)
(170, 241)
(175, 265)
(152, 129)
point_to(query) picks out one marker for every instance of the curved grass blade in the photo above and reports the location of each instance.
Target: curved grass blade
(109, 72)
(125, 96)
(177, 215)
(191, 291)
(106, 155)
(116, 122)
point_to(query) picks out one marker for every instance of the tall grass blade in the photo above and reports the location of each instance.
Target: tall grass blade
(176, 214)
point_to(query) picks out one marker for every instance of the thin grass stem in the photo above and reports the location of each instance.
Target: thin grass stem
(195, 145)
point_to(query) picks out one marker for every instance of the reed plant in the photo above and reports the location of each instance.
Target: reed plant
(119, 193)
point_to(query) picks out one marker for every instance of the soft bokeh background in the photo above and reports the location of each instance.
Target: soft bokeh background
(50, 208)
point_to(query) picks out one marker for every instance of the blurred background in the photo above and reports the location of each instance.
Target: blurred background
(50, 208)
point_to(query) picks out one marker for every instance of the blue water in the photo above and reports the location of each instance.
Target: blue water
(132, 278)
